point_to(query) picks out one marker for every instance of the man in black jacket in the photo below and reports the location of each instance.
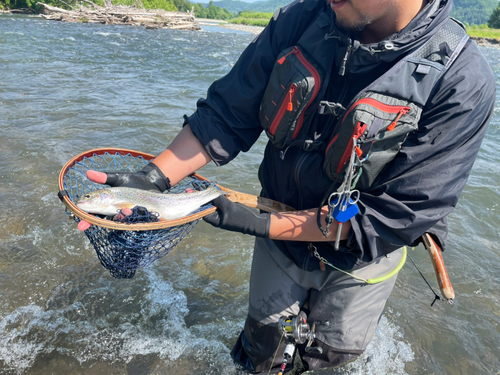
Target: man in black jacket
(414, 181)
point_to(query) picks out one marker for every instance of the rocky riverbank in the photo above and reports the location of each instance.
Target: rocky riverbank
(251, 29)
(491, 42)
(233, 26)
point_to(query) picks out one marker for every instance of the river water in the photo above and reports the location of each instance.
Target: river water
(66, 88)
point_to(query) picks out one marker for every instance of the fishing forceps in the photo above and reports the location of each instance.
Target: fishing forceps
(344, 197)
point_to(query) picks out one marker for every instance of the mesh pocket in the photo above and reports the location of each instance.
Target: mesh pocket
(294, 84)
(379, 124)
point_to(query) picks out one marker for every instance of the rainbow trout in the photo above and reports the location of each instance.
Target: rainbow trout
(169, 206)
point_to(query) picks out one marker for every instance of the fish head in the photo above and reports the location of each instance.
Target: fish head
(101, 202)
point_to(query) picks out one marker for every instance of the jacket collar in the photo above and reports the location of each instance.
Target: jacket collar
(363, 57)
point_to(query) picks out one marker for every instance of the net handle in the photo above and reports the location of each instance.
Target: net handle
(248, 200)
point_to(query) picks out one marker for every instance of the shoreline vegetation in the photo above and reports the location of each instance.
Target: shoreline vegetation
(252, 22)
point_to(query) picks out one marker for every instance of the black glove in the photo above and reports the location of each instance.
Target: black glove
(148, 178)
(238, 218)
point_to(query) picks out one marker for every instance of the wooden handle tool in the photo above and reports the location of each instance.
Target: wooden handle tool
(439, 267)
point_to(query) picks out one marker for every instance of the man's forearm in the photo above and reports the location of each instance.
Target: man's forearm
(184, 156)
(302, 226)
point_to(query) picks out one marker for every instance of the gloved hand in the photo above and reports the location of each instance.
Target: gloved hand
(148, 178)
(238, 218)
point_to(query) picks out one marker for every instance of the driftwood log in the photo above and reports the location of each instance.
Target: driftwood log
(120, 15)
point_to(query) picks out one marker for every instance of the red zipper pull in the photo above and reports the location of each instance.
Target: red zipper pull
(359, 152)
(293, 51)
(402, 112)
(283, 58)
(291, 92)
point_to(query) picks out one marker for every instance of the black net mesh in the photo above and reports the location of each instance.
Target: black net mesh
(122, 252)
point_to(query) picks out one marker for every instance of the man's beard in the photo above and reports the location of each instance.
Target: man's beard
(352, 27)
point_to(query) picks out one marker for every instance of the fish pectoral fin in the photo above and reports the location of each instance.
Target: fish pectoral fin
(123, 205)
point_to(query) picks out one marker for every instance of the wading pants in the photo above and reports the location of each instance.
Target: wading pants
(346, 311)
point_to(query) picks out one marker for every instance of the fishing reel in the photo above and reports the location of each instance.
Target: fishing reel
(296, 330)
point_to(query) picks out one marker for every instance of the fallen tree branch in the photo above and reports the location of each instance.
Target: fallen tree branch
(121, 15)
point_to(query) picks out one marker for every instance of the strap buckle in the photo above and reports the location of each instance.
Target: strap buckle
(308, 143)
(330, 108)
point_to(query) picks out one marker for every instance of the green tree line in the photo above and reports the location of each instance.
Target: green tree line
(17, 4)
(494, 21)
(212, 11)
(200, 11)
(473, 12)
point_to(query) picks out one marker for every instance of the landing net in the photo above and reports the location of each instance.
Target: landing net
(119, 246)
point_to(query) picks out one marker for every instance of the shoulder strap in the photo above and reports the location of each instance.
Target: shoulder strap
(415, 76)
(445, 45)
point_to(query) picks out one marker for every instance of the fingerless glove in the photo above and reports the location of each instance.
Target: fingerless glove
(148, 178)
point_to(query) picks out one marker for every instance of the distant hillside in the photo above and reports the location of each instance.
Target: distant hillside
(235, 6)
(473, 12)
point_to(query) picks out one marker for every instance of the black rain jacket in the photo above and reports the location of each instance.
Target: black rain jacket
(415, 192)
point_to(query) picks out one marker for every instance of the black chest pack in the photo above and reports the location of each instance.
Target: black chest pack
(378, 119)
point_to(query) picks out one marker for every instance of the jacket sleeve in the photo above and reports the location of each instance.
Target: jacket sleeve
(227, 121)
(421, 186)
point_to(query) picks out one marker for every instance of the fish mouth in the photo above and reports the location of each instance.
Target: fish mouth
(93, 209)
(85, 206)
(102, 209)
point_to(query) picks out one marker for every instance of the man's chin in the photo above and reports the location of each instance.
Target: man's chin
(351, 27)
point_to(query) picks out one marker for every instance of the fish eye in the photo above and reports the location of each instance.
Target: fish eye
(87, 196)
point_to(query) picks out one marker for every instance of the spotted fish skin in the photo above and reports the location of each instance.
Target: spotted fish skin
(169, 206)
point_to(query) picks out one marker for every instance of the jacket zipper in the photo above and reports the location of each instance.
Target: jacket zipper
(288, 105)
(344, 60)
